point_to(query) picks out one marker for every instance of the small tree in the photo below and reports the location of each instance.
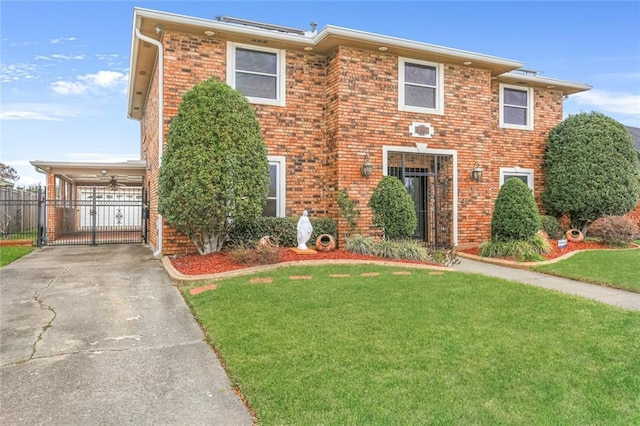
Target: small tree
(215, 167)
(591, 169)
(393, 209)
(8, 173)
(515, 215)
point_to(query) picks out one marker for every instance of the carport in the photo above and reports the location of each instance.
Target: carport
(92, 203)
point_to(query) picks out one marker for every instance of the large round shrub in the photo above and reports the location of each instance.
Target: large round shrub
(393, 209)
(515, 216)
(214, 170)
(591, 169)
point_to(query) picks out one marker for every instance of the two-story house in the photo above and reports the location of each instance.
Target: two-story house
(339, 108)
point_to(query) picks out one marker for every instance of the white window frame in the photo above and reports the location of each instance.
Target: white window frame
(280, 77)
(517, 171)
(281, 187)
(439, 98)
(530, 103)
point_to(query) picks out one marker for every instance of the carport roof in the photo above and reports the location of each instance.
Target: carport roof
(128, 173)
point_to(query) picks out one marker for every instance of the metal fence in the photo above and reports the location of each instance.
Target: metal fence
(98, 216)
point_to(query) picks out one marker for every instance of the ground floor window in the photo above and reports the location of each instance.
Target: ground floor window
(525, 175)
(277, 192)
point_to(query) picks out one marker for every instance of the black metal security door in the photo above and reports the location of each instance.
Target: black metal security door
(428, 179)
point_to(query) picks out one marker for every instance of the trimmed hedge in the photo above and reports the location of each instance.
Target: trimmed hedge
(283, 229)
(515, 216)
(550, 225)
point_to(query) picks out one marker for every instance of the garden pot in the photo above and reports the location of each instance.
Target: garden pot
(574, 235)
(325, 243)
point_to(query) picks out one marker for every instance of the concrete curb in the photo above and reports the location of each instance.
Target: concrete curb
(180, 278)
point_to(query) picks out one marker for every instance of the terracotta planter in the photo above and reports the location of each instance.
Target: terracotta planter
(325, 242)
(574, 235)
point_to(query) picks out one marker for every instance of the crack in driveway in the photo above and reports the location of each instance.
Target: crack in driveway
(43, 305)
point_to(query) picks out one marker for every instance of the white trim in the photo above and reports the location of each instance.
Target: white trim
(518, 171)
(530, 103)
(452, 152)
(281, 162)
(280, 77)
(439, 98)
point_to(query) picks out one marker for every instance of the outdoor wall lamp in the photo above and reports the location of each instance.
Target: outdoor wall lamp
(367, 167)
(476, 172)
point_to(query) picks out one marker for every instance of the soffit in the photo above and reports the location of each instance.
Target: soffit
(130, 173)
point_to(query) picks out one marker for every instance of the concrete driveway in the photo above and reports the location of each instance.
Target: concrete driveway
(99, 335)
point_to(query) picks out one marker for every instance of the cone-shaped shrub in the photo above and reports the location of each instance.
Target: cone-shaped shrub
(393, 209)
(515, 216)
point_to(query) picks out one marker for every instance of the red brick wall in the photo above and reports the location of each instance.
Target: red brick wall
(343, 106)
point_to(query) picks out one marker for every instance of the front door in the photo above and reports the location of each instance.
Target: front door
(428, 179)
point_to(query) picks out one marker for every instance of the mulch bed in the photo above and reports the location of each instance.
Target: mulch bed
(556, 251)
(214, 263)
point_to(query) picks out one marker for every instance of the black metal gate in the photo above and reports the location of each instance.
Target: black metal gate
(428, 178)
(98, 215)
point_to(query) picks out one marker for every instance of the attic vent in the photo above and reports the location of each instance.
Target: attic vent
(261, 25)
(146, 44)
(259, 40)
(142, 73)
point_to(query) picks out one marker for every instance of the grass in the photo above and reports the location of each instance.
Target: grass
(9, 254)
(614, 268)
(452, 349)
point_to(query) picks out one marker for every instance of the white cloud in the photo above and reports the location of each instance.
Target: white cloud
(109, 79)
(15, 72)
(97, 82)
(68, 88)
(609, 102)
(27, 115)
(62, 40)
(37, 112)
(59, 56)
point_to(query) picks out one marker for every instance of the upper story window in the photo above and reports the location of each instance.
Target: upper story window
(516, 107)
(257, 72)
(421, 86)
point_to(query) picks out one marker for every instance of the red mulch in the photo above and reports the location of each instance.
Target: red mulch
(557, 252)
(213, 263)
(196, 264)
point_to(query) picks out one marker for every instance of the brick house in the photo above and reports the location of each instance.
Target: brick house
(333, 100)
(635, 134)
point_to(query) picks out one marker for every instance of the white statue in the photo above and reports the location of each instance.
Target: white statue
(304, 230)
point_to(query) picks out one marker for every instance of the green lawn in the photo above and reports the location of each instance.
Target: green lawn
(614, 268)
(9, 254)
(452, 349)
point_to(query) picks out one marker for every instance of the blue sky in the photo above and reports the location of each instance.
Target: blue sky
(64, 65)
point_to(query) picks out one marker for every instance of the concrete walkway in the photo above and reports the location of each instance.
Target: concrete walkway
(100, 335)
(611, 296)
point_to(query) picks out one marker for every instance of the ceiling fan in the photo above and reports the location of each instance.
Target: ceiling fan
(113, 184)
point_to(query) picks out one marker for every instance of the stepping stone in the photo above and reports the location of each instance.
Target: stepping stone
(300, 277)
(199, 290)
(339, 275)
(436, 273)
(401, 273)
(370, 274)
(266, 280)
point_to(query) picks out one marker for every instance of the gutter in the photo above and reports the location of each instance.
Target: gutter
(156, 43)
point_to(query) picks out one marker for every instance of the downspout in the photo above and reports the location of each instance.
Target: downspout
(156, 43)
